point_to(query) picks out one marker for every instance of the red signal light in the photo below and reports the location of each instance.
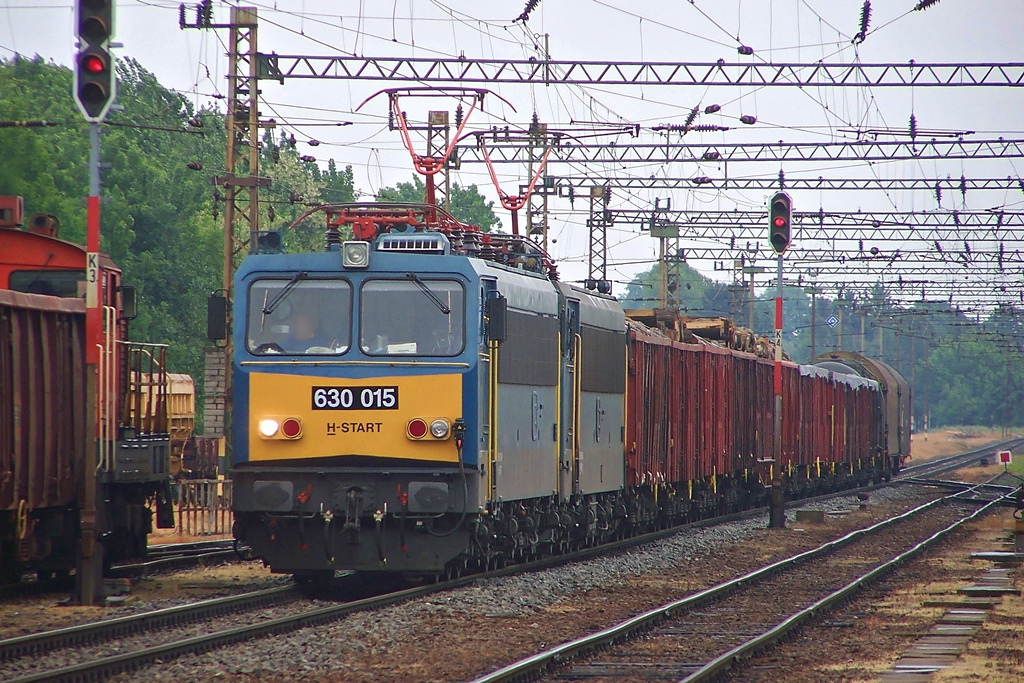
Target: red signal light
(780, 221)
(93, 64)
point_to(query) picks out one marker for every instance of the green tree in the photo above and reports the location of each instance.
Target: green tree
(467, 204)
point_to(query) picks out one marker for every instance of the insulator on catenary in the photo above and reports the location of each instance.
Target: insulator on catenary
(458, 115)
(530, 6)
(195, 165)
(963, 187)
(308, 158)
(938, 247)
(865, 20)
(714, 108)
(690, 117)
(925, 4)
(913, 127)
(938, 192)
(745, 50)
(748, 119)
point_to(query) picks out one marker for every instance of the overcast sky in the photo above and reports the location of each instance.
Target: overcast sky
(194, 62)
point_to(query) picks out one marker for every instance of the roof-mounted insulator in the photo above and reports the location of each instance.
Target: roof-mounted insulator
(712, 108)
(865, 21)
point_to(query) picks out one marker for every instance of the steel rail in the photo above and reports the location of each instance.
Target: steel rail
(84, 634)
(559, 654)
(730, 659)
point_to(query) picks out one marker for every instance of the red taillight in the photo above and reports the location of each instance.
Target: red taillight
(291, 428)
(417, 428)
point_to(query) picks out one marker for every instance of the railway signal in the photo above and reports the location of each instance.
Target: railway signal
(780, 221)
(95, 83)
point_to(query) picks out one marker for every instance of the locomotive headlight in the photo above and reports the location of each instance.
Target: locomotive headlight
(268, 427)
(355, 254)
(439, 429)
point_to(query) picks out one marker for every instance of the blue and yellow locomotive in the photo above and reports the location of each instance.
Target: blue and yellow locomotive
(369, 383)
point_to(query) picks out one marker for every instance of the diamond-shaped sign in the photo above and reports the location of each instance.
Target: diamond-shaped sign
(832, 321)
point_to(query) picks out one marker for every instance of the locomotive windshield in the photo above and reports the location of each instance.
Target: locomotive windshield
(412, 317)
(299, 316)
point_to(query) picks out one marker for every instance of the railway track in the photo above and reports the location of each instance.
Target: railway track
(107, 666)
(174, 556)
(938, 466)
(91, 633)
(702, 636)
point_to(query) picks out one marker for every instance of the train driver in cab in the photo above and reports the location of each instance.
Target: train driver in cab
(303, 334)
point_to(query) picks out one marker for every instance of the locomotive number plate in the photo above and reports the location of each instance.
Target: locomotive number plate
(355, 398)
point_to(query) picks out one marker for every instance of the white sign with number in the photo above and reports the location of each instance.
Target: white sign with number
(92, 279)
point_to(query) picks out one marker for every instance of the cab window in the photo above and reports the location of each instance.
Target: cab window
(299, 316)
(412, 317)
(63, 283)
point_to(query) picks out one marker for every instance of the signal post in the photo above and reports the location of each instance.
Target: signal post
(94, 91)
(780, 218)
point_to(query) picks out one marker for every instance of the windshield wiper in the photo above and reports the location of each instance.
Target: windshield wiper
(430, 295)
(269, 308)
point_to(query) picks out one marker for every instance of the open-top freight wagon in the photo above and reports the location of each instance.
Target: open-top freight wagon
(47, 420)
